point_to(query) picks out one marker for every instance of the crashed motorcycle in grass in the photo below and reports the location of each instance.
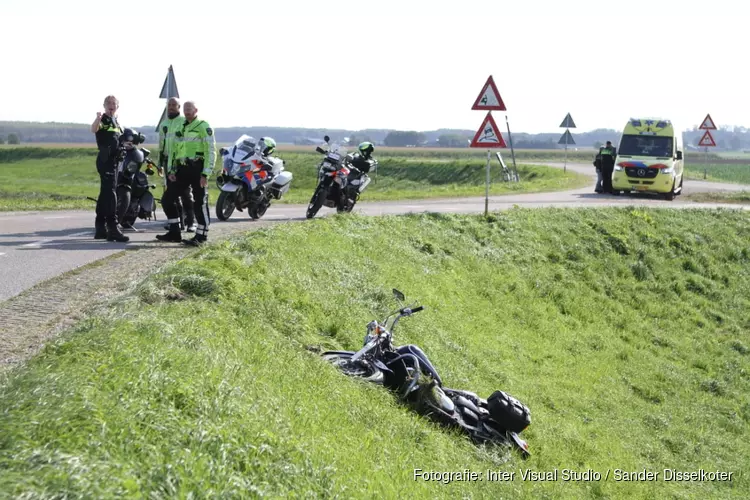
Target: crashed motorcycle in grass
(408, 372)
(249, 180)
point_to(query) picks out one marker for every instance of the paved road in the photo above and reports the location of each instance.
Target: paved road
(36, 246)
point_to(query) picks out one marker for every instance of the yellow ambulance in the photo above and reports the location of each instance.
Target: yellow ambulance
(649, 158)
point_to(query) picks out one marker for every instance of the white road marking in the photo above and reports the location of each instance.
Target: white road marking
(2, 253)
(59, 217)
(36, 243)
(85, 233)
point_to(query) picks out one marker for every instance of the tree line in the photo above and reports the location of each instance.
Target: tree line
(727, 138)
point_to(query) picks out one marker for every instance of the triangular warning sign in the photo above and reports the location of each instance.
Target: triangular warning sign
(489, 98)
(488, 135)
(707, 140)
(708, 124)
(566, 138)
(568, 122)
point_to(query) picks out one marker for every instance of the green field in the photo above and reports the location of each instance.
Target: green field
(735, 173)
(54, 179)
(624, 331)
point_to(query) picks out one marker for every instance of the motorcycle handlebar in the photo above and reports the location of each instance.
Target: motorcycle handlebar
(320, 150)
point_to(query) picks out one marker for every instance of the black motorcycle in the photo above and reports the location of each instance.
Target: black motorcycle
(333, 181)
(134, 197)
(407, 371)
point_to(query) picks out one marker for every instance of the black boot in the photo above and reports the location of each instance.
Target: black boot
(101, 230)
(174, 235)
(198, 240)
(114, 233)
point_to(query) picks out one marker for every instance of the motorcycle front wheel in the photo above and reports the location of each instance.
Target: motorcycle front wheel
(359, 369)
(123, 203)
(225, 205)
(315, 202)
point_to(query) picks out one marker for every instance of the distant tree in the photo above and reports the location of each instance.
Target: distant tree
(13, 139)
(357, 139)
(2, 139)
(453, 141)
(735, 143)
(399, 138)
(598, 144)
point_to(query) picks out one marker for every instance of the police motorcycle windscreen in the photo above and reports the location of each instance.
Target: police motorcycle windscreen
(233, 159)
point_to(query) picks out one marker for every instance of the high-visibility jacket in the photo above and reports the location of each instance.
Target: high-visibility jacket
(167, 130)
(194, 140)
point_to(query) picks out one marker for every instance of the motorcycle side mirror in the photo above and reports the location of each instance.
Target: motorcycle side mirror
(398, 295)
(326, 138)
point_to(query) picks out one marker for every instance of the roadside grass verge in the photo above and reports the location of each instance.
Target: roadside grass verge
(738, 197)
(624, 330)
(64, 182)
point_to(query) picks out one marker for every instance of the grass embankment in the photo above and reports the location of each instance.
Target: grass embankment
(63, 178)
(624, 331)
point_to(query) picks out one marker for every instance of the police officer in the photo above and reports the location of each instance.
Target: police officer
(190, 165)
(167, 129)
(107, 132)
(608, 154)
(598, 165)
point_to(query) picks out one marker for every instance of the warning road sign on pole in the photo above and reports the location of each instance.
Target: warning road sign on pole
(707, 140)
(708, 124)
(488, 135)
(567, 138)
(489, 98)
(169, 89)
(568, 122)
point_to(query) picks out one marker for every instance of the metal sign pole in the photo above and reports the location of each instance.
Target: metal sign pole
(705, 164)
(512, 153)
(487, 185)
(565, 165)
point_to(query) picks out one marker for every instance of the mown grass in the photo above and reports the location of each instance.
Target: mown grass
(625, 331)
(65, 180)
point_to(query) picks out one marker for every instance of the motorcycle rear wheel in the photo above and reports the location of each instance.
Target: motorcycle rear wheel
(259, 210)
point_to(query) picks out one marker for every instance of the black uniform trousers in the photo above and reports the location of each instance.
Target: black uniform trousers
(608, 168)
(106, 203)
(185, 204)
(188, 175)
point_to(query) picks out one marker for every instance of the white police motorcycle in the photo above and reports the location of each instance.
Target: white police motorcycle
(249, 180)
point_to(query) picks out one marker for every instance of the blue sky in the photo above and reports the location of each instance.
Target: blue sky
(415, 65)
